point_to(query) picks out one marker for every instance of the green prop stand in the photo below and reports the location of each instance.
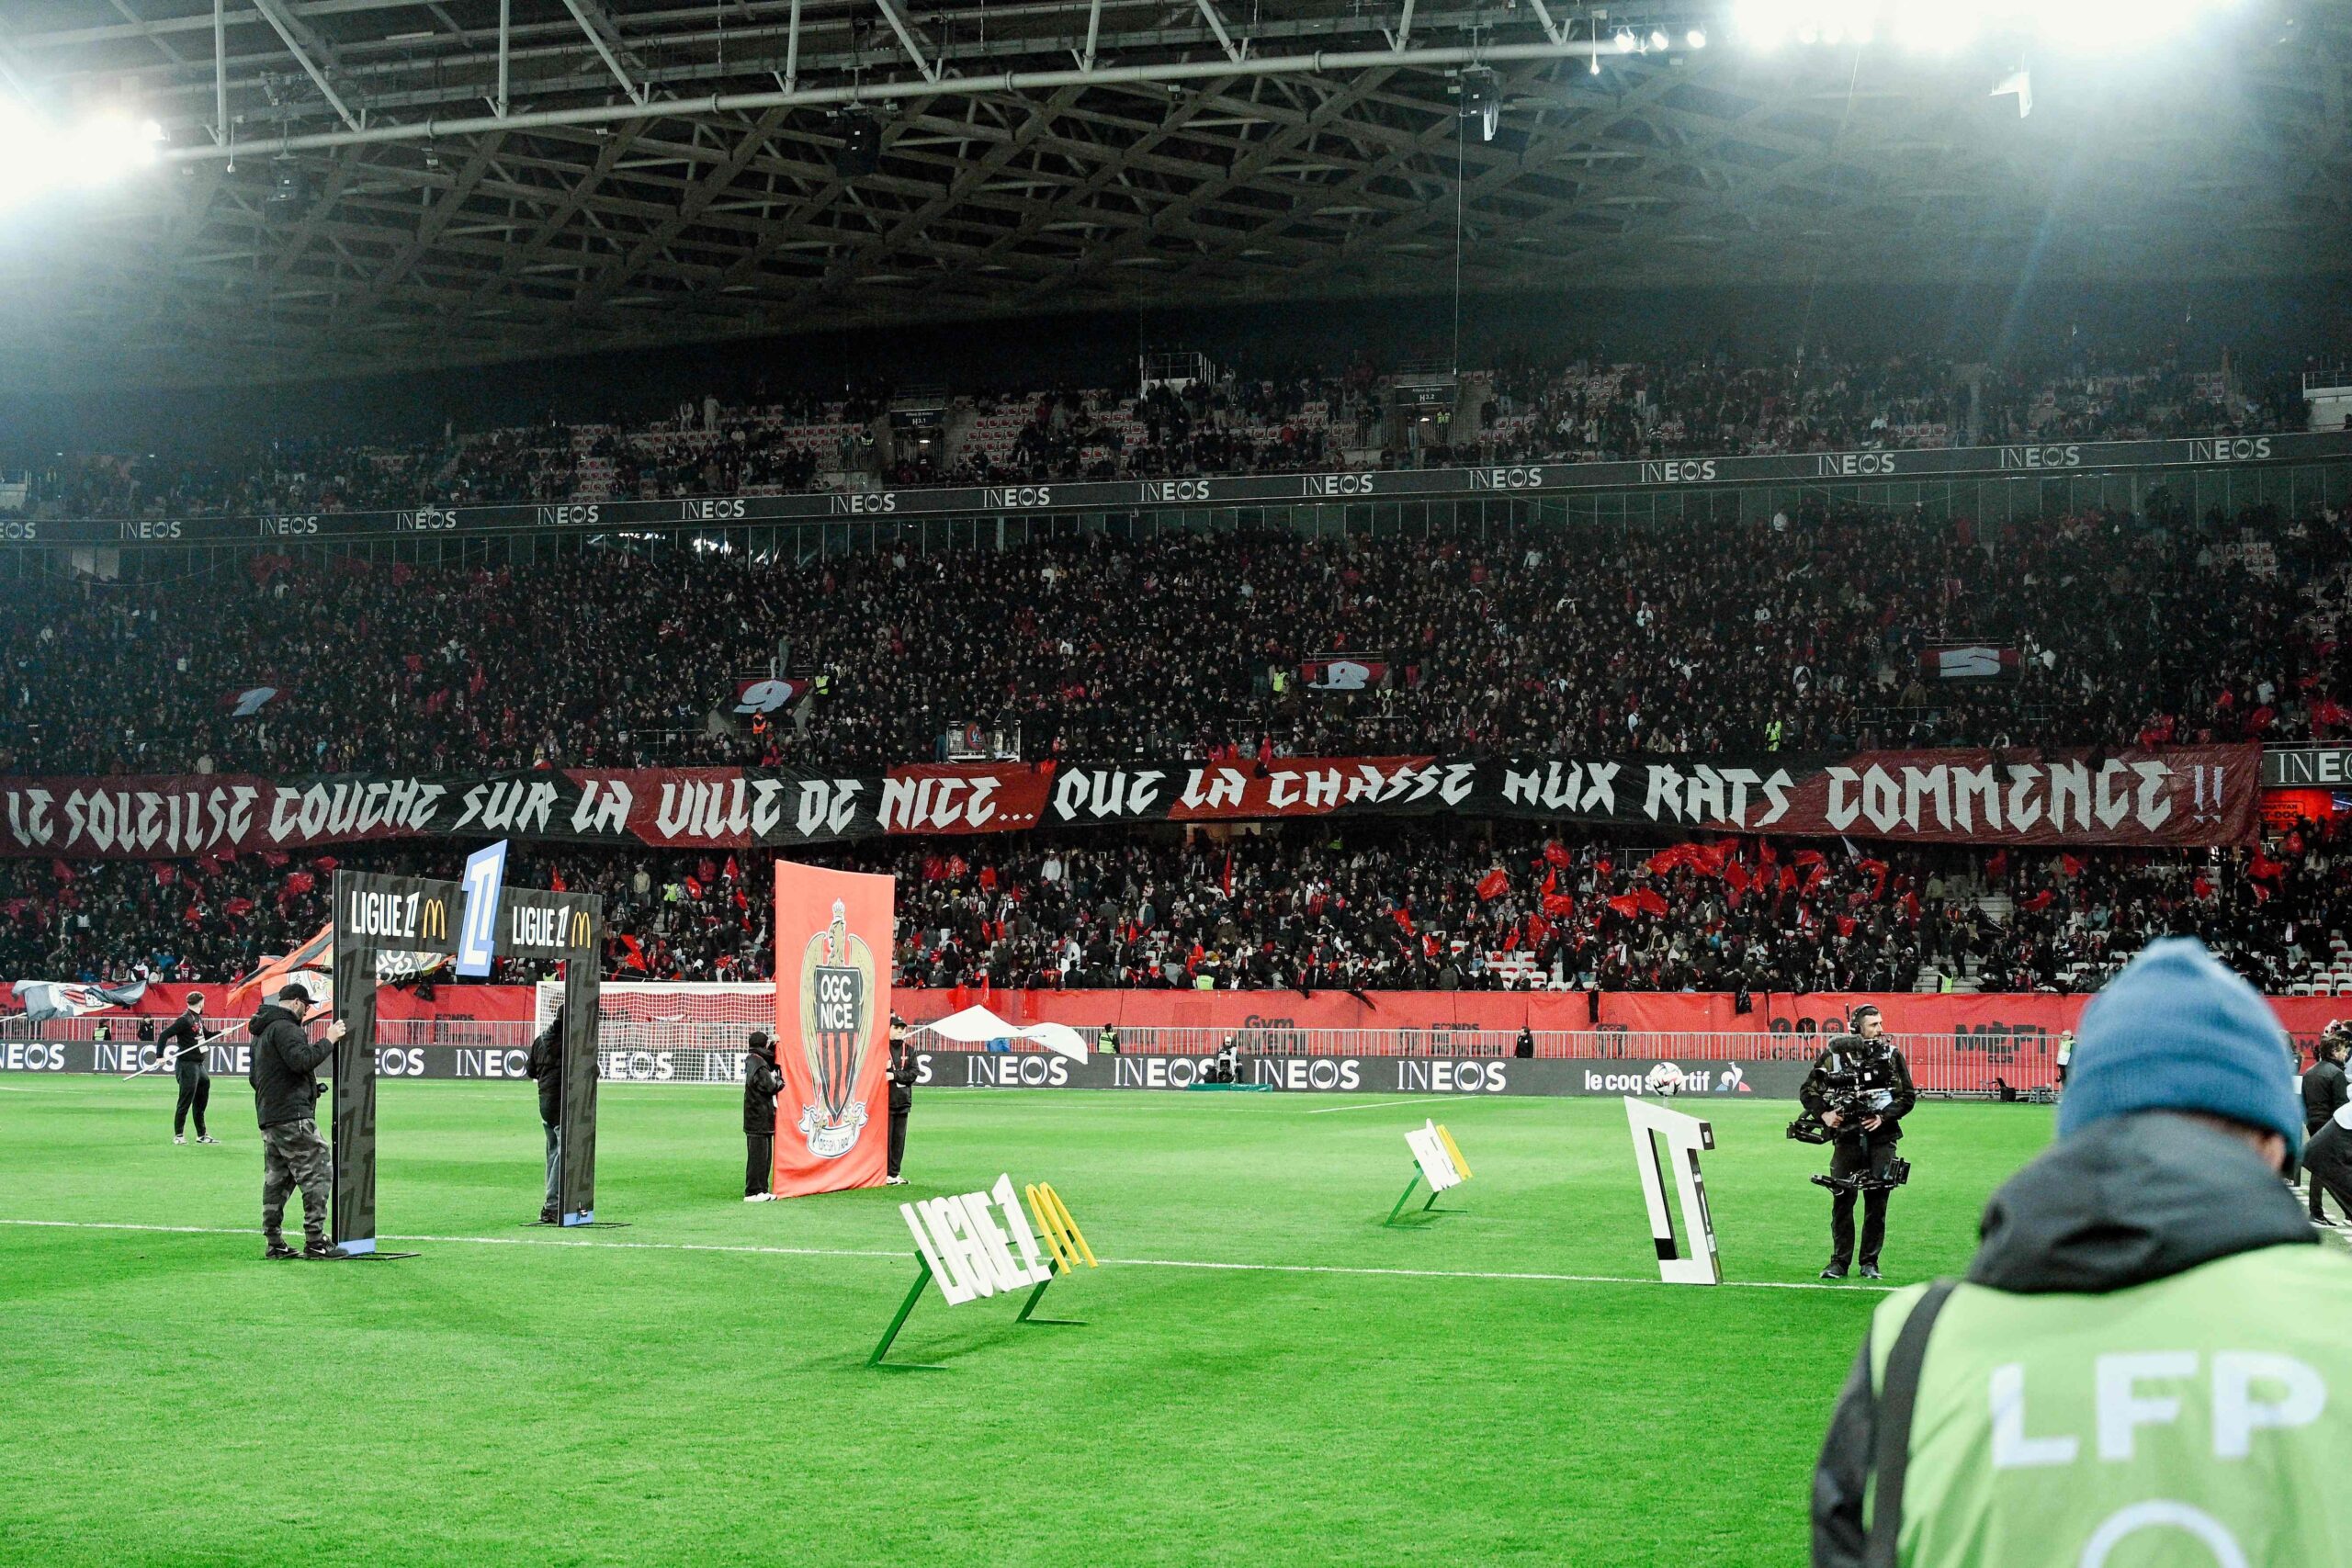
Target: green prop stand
(915, 1295)
(922, 1278)
(1407, 1196)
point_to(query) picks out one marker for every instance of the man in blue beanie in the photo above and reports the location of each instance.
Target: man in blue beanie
(2138, 1365)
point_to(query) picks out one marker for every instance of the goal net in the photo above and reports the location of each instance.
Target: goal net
(669, 1032)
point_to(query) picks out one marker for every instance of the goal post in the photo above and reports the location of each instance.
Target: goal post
(671, 1030)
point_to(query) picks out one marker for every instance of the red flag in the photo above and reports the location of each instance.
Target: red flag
(1405, 919)
(555, 879)
(2073, 863)
(2039, 901)
(636, 954)
(1651, 901)
(1998, 866)
(1736, 877)
(1876, 871)
(1807, 857)
(1228, 871)
(694, 888)
(1492, 886)
(1813, 877)
(1556, 852)
(1624, 905)
(237, 909)
(1510, 940)
(1559, 906)
(2201, 887)
(733, 871)
(1845, 925)
(2262, 867)
(299, 882)
(61, 871)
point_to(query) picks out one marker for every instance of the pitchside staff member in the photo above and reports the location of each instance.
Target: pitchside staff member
(546, 1065)
(2324, 1093)
(193, 1072)
(762, 1079)
(286, 1102)
(1862, 1063)
(903, 1096)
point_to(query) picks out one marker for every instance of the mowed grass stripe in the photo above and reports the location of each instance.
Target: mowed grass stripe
(168, 1399)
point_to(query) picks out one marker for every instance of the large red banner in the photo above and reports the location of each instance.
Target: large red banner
(2178, 795)
(833, 1027)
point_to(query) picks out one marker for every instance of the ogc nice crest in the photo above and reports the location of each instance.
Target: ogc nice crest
(836, 1002)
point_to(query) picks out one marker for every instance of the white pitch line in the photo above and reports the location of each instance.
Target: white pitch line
(1382, 1105)
(1507, 1276)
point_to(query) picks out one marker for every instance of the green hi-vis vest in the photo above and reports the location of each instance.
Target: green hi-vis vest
(2200, 1421)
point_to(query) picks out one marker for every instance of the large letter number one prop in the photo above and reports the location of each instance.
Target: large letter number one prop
(1684, 1137)
(478, 937)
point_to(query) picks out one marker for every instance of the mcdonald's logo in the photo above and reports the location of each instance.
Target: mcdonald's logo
(433, 925)
(581, 928)
(1063, 1238)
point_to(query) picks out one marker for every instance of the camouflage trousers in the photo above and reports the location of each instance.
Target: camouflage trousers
(293, 1155)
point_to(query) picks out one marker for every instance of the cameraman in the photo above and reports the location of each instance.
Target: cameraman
(1861, 1088)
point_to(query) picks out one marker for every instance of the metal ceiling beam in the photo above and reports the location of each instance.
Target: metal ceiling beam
(296, 36)
(907, 41)
(717, 104)
(580, 13)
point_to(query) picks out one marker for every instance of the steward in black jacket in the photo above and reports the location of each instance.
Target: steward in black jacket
(762, 1080)
(545, 1063)
(285, 1103)
(284, 1066)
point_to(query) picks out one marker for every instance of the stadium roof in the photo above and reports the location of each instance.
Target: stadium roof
(602, 173)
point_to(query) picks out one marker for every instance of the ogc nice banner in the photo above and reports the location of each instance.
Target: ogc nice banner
(833, 1024)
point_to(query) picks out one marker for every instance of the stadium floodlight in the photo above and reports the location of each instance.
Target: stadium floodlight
(1626, 40)
(1657, 38)
(1941, 26)
(39, 157)
(1696, 37)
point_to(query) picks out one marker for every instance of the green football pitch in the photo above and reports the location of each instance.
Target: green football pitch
(1264, 1375)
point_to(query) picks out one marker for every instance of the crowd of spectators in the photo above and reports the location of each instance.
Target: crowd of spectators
(1382, 907)
(1807, 633)
(1588, 407)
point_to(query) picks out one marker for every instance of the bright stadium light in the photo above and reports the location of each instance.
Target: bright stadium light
(1657, 38)
(1696, 37)
(1626, 40)
(39, 157)
(1942, 26)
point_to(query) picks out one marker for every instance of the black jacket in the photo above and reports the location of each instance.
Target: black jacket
(762, 1079)
(284, 1075)
(902, 1075)
(2324, 1093)
(2130, 1200)
(1524, 1047)
(546, 1065)
(1876, 1070)
(183, 1033)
